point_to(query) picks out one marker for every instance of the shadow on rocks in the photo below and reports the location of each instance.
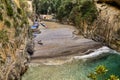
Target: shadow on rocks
(30, 47)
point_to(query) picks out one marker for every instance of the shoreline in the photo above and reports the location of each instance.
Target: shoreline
(97, 54)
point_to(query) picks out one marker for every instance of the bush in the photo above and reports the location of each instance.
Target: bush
(9, 11)
(7, 23)
(1, 17)
(18, 16)
(19, 10)
(24, 22)
(88, 11)
(75, 16)
(9, 8)
(3, 36)
(1, 6)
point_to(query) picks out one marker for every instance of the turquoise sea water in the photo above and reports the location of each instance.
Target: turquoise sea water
(75, 70)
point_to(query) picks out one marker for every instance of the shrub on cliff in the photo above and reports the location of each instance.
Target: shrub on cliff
(77, 11)
(7, 23)
(19, 10)
(88, 11)
(9, 8)
(1, 17)
(3, 36)
(9, 11)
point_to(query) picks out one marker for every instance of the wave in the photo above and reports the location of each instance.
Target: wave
(103, 51)
(97, 54)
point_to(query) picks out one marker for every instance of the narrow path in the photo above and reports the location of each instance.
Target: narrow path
(59, 44)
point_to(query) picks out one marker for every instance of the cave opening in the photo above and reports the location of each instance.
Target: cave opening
(111, 3)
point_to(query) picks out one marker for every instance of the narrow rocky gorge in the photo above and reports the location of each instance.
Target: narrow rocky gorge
(59, 42)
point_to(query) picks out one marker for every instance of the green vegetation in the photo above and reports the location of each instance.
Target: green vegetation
(1, 14)
(1, 17)
(113, 77)
(76, 12)
(99, 72)
(19, 10)
(88, 11)
(46, 6)
(11, 18)
(64, 10)
(3, 36)
(17, 16)
(1, 6)
(9, 11)
(7, 23)
(23, 23)
(9, 8)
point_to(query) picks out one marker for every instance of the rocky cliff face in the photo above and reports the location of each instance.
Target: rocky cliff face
(13, 38)
(106, 28)
(108, 25)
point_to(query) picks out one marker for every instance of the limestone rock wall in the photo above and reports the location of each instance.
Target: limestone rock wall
(106, 28)
(109, 25)
(14, 27)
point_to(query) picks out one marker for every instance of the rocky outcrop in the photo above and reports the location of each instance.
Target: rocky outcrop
(14, 27)
(106, 28)
(109, 25)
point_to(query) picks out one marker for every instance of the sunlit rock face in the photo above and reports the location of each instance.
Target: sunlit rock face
(106, 28)
(14, 28)
(30, 6)
(108, 24)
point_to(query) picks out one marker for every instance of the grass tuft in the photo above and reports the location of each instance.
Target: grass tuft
(7, 23)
